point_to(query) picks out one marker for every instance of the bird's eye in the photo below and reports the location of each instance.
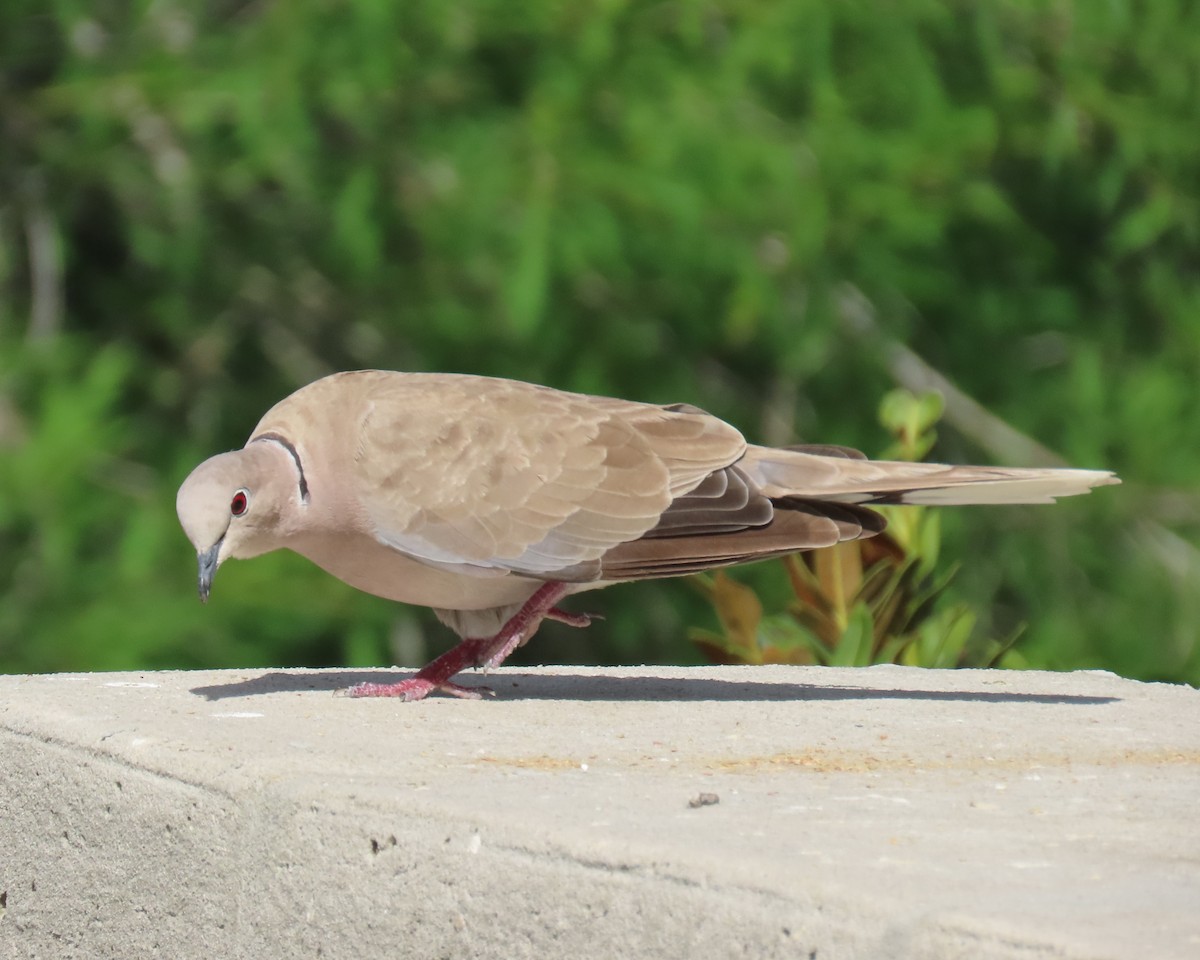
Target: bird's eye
(237, 506)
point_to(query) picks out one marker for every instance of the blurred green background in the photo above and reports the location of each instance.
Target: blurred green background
(776, 211)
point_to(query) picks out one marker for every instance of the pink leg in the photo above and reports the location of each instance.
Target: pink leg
(475, 652)
(522, 625)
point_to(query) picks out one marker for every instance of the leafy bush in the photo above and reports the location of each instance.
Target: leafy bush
(876, 600)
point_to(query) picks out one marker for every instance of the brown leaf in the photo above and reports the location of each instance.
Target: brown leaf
(839, 570)
(740, 611)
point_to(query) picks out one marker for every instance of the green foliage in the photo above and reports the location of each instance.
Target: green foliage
(204, 206)
(868, 601)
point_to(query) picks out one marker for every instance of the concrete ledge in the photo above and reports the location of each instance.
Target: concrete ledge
(882, 812)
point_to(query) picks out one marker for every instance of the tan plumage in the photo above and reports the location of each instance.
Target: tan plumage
(490, 499)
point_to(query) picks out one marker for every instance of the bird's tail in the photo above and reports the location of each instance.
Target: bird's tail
(842, 476)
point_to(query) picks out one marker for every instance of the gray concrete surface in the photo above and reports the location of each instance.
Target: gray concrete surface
(883, 812)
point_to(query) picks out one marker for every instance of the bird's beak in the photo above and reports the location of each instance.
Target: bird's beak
(208, 567)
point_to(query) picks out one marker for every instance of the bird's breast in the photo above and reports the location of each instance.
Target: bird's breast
(370, 566)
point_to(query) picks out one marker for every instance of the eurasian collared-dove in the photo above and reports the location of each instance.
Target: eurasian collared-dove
(490, 500)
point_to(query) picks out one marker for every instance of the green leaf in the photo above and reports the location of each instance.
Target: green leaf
(853, 649)
(1140, 227)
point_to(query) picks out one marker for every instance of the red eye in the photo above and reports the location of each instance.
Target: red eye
(237, 506)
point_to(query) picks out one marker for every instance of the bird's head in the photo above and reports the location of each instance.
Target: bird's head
(234, 505)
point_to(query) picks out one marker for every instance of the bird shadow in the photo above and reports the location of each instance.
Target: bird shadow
(590, 687)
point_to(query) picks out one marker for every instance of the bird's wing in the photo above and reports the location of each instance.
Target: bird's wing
(486, 474)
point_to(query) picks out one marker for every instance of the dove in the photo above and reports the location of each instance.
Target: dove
(493, 500)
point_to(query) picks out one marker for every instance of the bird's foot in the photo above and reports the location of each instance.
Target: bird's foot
(417, 688)
(572, 619)
(435, 675)
(486, 652)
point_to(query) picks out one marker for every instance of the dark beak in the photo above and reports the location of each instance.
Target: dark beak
(208, 567)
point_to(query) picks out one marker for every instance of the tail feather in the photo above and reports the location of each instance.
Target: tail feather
(790, 473)
(1032, 485)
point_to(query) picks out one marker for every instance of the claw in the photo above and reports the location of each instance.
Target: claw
(572, 619)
